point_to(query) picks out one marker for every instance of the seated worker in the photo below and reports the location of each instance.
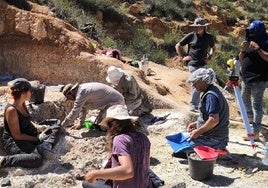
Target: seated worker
(130, 153)
(211, 128)
(126, 84)
(89, 96)
(21, 139)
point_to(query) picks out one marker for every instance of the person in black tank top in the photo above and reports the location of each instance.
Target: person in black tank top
(22, 140)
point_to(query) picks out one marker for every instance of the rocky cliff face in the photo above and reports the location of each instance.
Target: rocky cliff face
(38, 46)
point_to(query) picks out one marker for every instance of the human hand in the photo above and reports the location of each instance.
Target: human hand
(194, 134)
(244, 45)
(191, 127)
(253, 45)
(76, 127)
(90, 177)
(186, 58)
(41, 128)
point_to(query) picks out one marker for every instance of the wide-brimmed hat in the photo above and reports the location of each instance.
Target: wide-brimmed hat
(118, 112)
(20, 84)
(67, 88)
(114, 74)
(199, 22)
(203, 74)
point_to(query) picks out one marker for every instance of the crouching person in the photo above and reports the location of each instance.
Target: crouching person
(130, 153)
(211, 128)
(25, 142)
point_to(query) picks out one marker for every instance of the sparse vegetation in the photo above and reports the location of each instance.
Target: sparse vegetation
(82, 12)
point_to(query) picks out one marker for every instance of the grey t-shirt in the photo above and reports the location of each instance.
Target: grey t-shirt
(92, 96)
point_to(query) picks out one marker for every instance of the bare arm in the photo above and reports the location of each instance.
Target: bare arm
(13, 124)
(122, 172)
(212, 121)
(179, 51)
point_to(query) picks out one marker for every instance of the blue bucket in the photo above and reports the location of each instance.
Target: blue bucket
(178, 142)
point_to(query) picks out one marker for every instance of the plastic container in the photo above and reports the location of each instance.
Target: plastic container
(178, 142)
(88, 124)
(38, 94)
(200, 169)
(265, 158)
(143, 64)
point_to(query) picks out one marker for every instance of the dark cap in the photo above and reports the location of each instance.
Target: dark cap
(20, 84)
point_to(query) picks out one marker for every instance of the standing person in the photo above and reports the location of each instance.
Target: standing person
(211, 128)
(199, 42)
(254, 61)
(89, 96)
(21, 139)
(127, 85)
(130, 153)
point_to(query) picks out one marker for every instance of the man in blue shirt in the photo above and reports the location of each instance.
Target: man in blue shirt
(211, 128)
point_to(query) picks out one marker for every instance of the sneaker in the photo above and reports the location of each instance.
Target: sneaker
(45, 149)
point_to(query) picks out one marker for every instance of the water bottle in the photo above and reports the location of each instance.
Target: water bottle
(265, 158)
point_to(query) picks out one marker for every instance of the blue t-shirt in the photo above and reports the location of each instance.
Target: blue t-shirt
(212, 104)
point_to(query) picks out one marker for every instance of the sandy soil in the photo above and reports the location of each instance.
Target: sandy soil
(83, 150)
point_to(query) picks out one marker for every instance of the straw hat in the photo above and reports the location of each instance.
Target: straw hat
(114, 74)
(118, 112)
(67, 88)
(199, 22)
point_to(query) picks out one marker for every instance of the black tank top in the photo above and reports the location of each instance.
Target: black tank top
(25, 124)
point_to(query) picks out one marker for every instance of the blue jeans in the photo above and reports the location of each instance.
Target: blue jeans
(252, 95)
(207, 141)
(195, 95)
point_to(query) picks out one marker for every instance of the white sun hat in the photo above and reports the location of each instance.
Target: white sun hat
(118, 112)
(114, 74)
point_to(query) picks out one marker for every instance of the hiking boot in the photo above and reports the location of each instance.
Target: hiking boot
(45, 149)
(256, 137)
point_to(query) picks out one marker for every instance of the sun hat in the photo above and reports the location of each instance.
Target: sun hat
(118, 112)
(67, 88)
(199, 22)
(114, 74)
(20, 84)
(202, 74)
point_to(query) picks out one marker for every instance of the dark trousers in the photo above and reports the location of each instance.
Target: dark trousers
(24, 153)
(99, 184)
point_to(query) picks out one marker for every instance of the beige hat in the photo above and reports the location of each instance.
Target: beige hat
(199, 22)
(114, 74)
(118, 112)
(67, 88)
